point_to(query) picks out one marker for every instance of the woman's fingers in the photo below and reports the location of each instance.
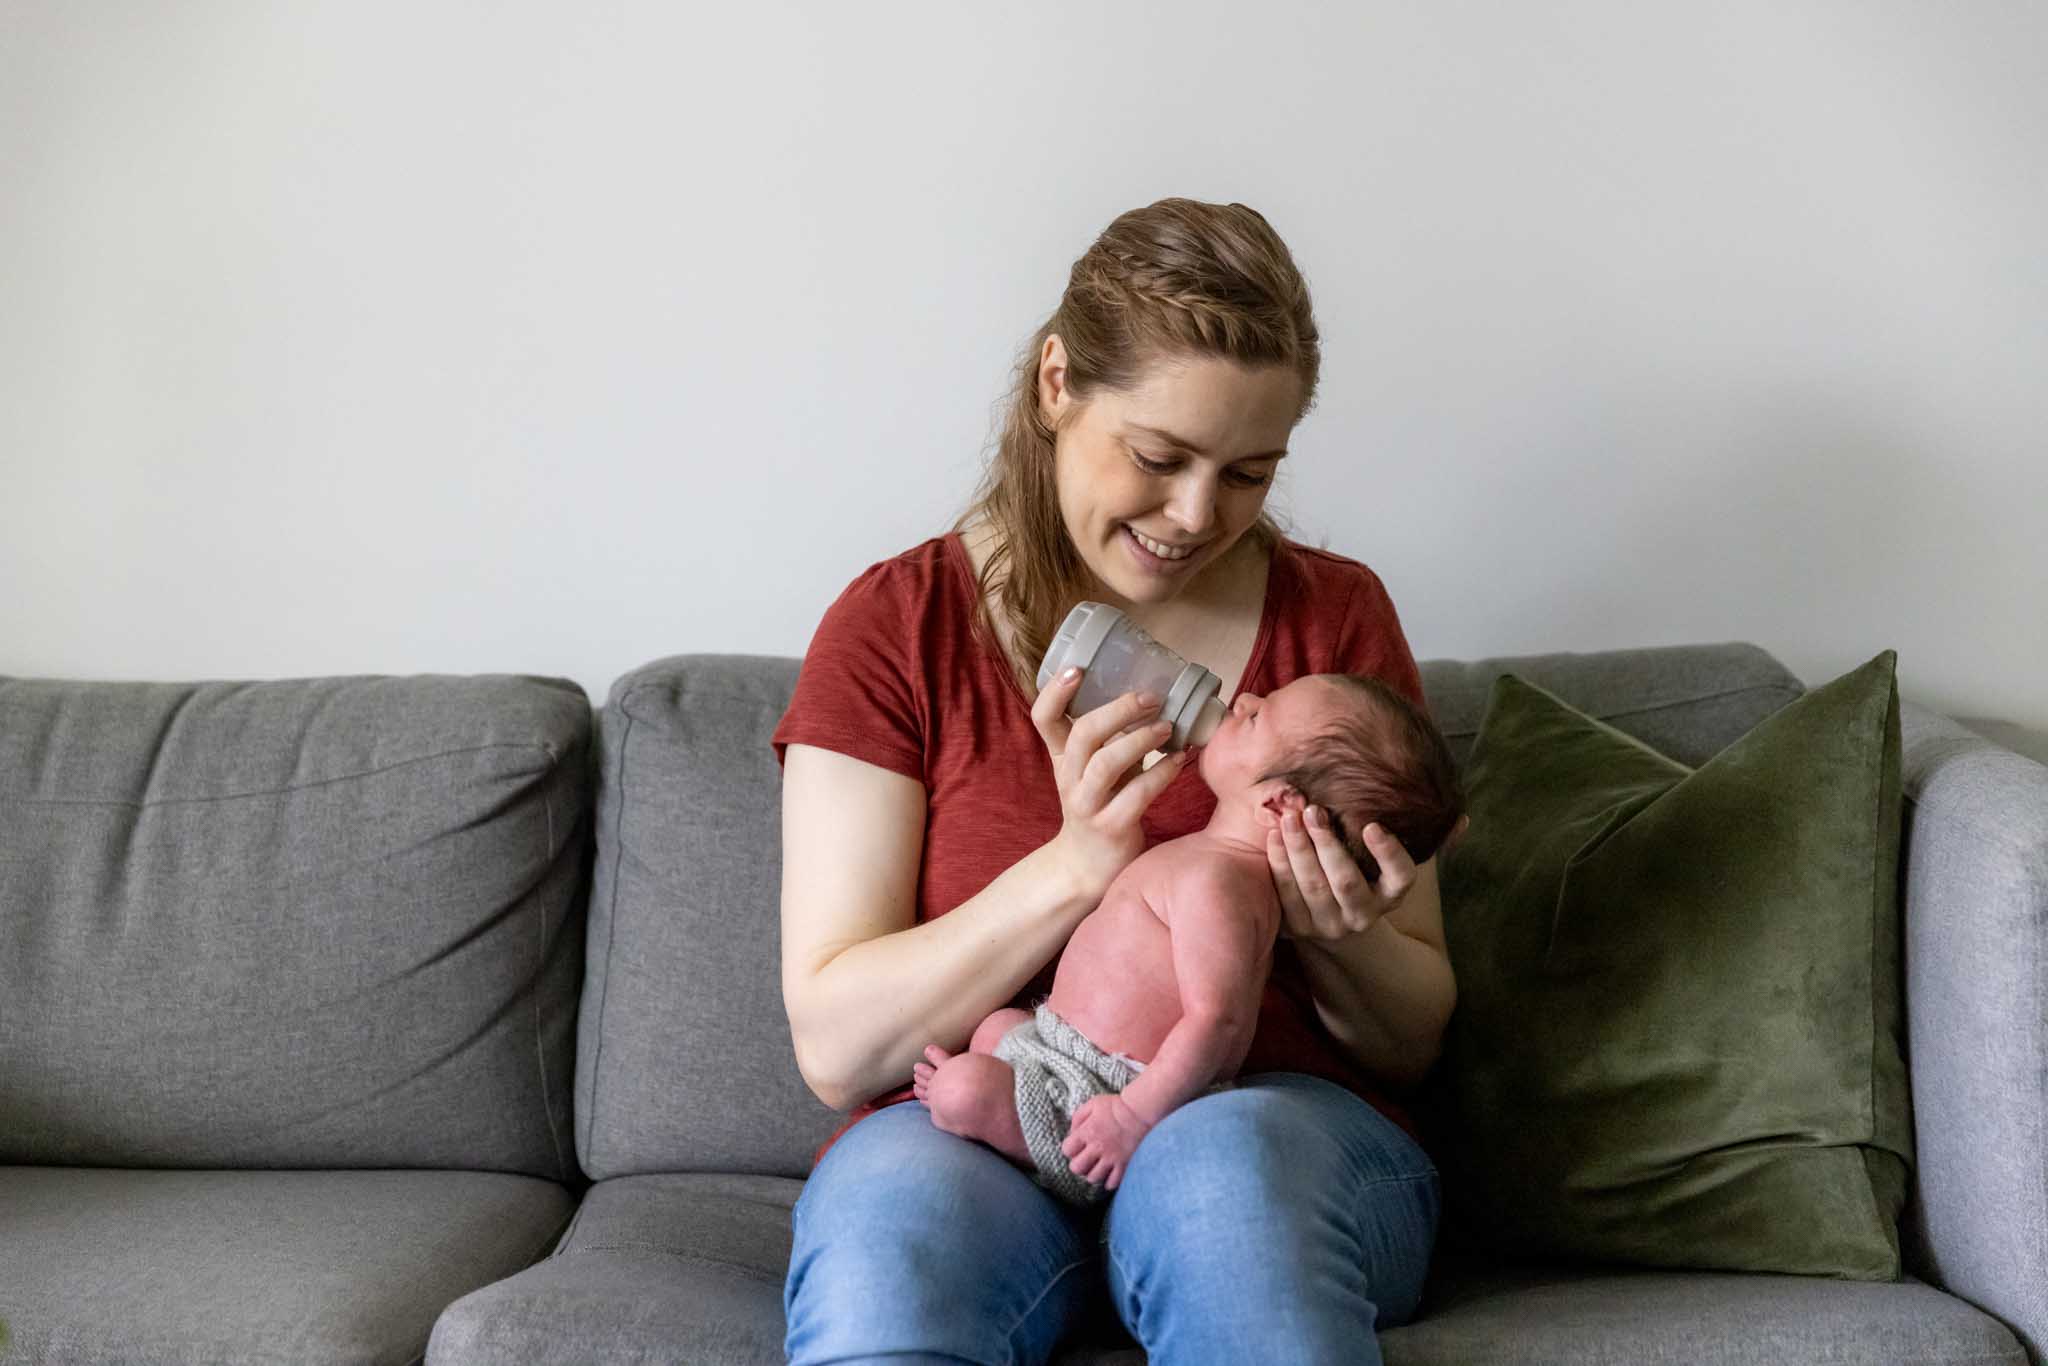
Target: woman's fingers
(1108, 766)
(1397, 870)
(1049, 710)
(1137, 794)
(1308, 873)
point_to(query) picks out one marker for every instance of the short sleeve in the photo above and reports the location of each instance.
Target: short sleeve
(1371, 640)
(858, 690)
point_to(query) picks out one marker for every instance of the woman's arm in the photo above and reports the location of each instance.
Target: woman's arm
(1374, 953)
(1386, 993)
(865, 986)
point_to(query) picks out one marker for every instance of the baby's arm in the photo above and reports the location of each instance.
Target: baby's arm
(1222, 922)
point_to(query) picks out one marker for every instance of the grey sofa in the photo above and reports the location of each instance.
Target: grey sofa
(367, 1019)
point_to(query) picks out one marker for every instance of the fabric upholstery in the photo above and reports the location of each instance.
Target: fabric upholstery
(309, 923)
(1686, 701)
(1478, 1312)
(684, 1061)
(654, 1269)
(1677, 1038)
(1976, 894)
(689, 1268)
(176, 1267)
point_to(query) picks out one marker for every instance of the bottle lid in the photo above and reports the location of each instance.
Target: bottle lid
(1184, 701)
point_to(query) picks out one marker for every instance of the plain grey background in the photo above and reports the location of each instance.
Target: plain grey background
(465, 337)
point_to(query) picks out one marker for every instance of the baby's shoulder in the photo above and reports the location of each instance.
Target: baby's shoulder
(1202, 873)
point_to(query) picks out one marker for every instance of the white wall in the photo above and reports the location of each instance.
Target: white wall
(557, 337)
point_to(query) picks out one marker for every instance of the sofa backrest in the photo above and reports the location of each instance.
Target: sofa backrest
(683, 1059)
(329, 922)
(683, 1055)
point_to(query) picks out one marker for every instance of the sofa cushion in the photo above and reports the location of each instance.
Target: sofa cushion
(1687, 701)
(185, 1266)
(1481, 1311)
(655, 1268)
(690, 1268)
(311, 923)
(1677, 1034)
(683, 1058)
(669, 1268)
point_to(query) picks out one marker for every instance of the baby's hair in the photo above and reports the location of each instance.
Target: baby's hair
(1381, 761)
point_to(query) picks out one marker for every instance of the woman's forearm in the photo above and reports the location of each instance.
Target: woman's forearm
(868, 1012)
(1384, 997)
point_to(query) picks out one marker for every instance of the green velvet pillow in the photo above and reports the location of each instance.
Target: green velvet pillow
(1677, 1040)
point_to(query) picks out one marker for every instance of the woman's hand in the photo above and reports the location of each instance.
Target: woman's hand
(1323, 892)
(1102, 791)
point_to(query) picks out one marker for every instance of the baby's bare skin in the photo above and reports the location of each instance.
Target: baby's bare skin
(1168, 969)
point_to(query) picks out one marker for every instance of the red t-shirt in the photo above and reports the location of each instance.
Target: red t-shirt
(895, 676)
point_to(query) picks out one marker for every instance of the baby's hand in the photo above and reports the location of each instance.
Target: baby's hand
(1099, 1143)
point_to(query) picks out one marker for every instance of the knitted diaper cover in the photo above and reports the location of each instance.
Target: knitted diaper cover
(1058, 1070)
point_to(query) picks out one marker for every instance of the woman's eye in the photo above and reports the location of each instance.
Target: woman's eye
(1238, 477)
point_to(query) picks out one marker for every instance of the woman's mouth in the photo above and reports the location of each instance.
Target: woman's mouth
(1165, 559)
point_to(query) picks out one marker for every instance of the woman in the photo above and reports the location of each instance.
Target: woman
(945, 829)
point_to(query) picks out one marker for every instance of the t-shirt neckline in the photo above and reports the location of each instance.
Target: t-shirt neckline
(992, 650)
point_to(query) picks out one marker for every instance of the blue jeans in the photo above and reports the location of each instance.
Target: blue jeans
(1280, 1221)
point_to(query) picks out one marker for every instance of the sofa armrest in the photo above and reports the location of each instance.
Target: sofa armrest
(1975, 880)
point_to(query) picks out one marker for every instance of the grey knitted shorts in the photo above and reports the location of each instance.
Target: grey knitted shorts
(1057, 1070)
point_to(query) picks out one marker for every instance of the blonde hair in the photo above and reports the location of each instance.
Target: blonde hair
(1175, 280)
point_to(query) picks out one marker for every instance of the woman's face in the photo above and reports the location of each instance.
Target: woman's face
(1184, 461)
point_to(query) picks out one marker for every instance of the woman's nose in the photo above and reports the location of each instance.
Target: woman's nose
(1193, 507)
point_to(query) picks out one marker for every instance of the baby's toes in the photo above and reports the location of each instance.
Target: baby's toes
(935, 1054)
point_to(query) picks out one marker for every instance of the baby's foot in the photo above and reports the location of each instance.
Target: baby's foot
(921, 1073)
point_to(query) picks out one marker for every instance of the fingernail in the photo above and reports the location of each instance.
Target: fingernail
(1148, 699)
(1070, 674)
(1314, 817)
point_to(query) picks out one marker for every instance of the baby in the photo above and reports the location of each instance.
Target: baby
(1158, 990)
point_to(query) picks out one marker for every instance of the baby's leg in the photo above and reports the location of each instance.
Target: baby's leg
(974, 1095)
(990, 1032)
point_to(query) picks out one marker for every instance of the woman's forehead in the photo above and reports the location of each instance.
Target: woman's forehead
(1220, 408)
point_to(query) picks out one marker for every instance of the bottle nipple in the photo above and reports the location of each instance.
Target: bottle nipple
(1207, 720)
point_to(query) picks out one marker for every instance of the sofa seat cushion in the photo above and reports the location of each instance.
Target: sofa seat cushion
(1477, 1310)
(690, 1268)
(104, 1264)
(663, 1269)
(654, 1268)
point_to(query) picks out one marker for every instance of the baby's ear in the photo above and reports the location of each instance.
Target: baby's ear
(1458, 831)
(1279, 799)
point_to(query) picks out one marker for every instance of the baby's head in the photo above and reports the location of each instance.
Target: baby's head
(1347, 744)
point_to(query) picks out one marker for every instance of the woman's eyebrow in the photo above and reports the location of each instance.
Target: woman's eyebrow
(1161, 434)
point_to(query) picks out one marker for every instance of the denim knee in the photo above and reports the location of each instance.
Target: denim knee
(910, 1240)
(1285, 1210)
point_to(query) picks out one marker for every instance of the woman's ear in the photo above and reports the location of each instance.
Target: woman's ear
(1052, 380)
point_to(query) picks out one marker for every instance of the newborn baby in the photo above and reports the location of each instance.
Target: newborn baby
(1158, 990)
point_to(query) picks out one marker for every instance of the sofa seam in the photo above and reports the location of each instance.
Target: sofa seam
(568, 1230)
(28, 799)
(677, 1253)
(540, 967)
(611, 942)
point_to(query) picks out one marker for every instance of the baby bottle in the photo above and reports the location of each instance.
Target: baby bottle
(1117, 658)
